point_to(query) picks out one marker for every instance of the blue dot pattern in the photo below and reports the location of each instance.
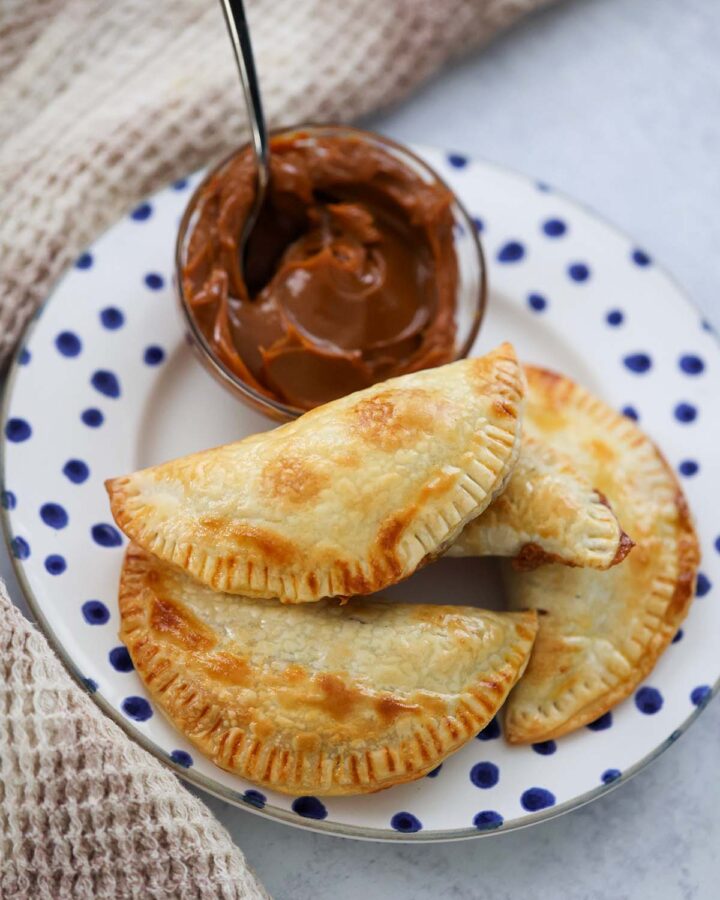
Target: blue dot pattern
(487, 819)
(405, 822)
(154, 281)
(688, 468)
(610, 775)
(90, 684)
(136, 708)
(120, 659)
(703, 585)
(478, 223)
(93, 418)
(717, 543)
(435, 772)
(484, 775)
(554, 228)
(615, 317)
(638, 363)
(254, 798)
(142, 212)
(640, 258)
(17, 430)
(685, 413)
(76, 470)
(579, 272)
(20, 548)
(24, 357)
(648, 700)
(511, 252)
(55, 564)
(309, 808)
(180, 184)
(154, 355)
(537, 798)
(631, 413)
(68, 344)
(112, 318)
(8, 500)
(54, 515)
(106, 535)
(95, 612)
(490, 732)
(700, 695)
(691, 364)
(106, 383)
(537, 302)
(604, 722)
(181, 758)
(457, 160)
(678, 636)
(84, 261)
(545, 748)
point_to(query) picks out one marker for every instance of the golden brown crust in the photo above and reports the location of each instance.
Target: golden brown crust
(549, 512)
(323, 700)
(348, 499)
(601, 633)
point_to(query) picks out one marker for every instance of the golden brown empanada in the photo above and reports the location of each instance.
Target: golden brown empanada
(322, 699)
(349, 498)
(600, 632)
(549, 512)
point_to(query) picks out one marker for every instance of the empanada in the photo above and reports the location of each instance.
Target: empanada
(600, 632)
(549, 512)
(317, 699)
(349, 498)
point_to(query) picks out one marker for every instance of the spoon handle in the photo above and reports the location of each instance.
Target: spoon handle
(240, 37)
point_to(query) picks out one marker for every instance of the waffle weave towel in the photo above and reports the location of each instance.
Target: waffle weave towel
(85, 812)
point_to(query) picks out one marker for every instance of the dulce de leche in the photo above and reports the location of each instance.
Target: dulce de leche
(350, 273)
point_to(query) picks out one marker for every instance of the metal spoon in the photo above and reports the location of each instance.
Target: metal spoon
(240, 37)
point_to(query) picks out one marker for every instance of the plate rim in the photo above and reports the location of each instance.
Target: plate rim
(227, 794)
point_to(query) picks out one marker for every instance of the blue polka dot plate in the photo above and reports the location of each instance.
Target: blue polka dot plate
(105, 383)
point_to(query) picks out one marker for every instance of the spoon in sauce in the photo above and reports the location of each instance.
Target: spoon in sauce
(239, 32)
(352, 264)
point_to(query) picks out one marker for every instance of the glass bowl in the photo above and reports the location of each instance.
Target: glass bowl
(471, 296)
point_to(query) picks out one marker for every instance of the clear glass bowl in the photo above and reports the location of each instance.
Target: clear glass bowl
(471, 289)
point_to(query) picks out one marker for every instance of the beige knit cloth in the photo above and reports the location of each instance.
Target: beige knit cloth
(102, 102)
(84, 812)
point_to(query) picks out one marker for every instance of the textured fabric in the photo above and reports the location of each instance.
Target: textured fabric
(84, 812)
(102, 102)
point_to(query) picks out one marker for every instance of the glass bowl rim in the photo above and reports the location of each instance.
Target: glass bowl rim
(276, 409)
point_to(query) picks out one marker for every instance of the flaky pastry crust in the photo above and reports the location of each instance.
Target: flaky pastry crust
(347, 499)
(549, 512)
(601, 633)
(320, 699)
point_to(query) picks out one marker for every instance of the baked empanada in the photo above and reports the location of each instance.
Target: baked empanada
(322, 699)
(600, 632)
(549, 512)
(349, 498)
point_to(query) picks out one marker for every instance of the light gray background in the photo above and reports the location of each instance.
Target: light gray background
(617, 102)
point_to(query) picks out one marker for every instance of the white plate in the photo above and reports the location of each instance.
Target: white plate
(105, 384)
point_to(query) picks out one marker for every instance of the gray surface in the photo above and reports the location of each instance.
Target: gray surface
(618, 103)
